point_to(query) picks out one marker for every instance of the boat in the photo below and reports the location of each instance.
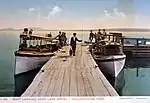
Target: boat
(33, 52)
(109, 55)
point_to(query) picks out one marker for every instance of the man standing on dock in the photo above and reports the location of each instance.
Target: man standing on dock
(73, 41)
(91, 36)
(59, 36)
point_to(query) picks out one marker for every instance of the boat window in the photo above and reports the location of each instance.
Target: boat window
(113, 50)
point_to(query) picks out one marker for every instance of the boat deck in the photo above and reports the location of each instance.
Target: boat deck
(33, 53)
(66, 75)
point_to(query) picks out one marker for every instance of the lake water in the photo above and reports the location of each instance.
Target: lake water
(132, 81)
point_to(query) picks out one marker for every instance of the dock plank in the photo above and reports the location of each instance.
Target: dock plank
(46, 84)
(59, 83)
(66, 81)
(81, 89)
(39, 88)
(73, 80)
(52, 83)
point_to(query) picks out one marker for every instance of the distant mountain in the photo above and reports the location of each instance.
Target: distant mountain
(9, 29)
(12, 29)
(36, 28)
(110, 29)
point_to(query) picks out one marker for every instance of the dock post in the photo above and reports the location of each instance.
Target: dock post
(137, 72)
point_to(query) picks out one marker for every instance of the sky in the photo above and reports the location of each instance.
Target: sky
(68, 14)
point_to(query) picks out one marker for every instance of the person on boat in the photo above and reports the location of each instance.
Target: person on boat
(91, 36)
(99, 32)
(59, 37)
(104, 34)
(73, 41)
(98, 36)
(23, 45)
(50, 35)
(30, 32)
(25, 32)
(64, 39)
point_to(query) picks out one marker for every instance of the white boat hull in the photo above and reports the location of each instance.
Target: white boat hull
(24, 63)
(111, 65)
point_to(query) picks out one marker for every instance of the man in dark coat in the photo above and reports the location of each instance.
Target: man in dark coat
(98, 36)
(91, 36)
(73, 43)
(59, 37)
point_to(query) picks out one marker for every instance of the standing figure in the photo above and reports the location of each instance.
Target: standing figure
(91, 36)
(49, 35)
(98, 36)
(25, 32)
(59, 37)
(73, 41)
(65, 39)
(104, 34)
(30, 32)
(99, 32)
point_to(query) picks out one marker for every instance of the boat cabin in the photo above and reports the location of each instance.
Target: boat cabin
(37, 43)
(110, 46)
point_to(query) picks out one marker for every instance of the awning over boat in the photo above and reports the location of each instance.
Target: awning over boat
(36, 37)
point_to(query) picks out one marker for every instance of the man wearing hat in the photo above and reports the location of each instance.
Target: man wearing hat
(73, 43)
(59, 37)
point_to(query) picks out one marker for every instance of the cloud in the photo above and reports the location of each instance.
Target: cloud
(31, 9)
(36, 12)
(107, 14)
(118, 13)
(114, 15)
(55, 10)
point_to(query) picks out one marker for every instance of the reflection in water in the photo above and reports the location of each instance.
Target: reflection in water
(137, 85)
(23, 81)
(118, 82)
(137, 75)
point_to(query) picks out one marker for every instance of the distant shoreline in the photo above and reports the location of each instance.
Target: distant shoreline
(109, 29)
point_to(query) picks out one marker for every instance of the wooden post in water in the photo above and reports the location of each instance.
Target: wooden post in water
(137, 72)
(137, 44)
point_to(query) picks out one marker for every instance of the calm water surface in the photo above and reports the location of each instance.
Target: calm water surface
(132, 81)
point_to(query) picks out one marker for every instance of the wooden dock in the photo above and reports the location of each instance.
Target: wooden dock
(70, 76)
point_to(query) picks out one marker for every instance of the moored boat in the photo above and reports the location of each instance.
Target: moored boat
(33, 53)
(109, 56)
